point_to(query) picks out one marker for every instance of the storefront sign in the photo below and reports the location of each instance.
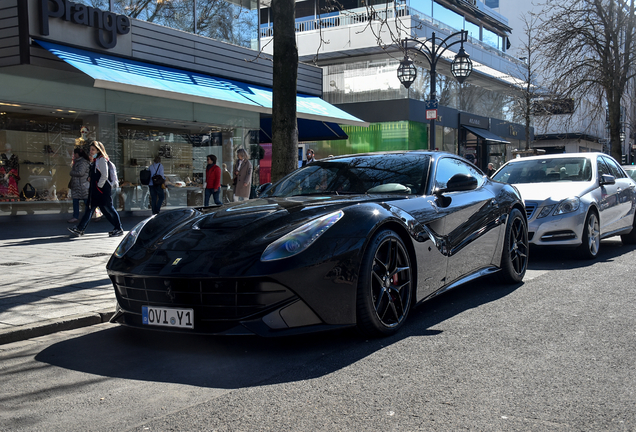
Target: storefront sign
(107, 24)
(473, 120)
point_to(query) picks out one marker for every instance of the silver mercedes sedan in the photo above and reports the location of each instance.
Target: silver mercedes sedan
(574, 199)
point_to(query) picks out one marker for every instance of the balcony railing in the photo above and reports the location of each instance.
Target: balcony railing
(363, 15)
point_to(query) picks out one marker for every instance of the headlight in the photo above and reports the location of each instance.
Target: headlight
(568, 206)
(545, 211)
(131, 238)
(301, 238)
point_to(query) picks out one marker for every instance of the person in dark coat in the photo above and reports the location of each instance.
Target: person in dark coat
(99, 195)
(79, 181)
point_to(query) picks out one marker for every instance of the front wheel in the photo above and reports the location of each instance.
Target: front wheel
(385, 287)
(514, 256)
(591, 237)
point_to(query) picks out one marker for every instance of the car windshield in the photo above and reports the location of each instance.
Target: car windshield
(383, 173)
(546, 170)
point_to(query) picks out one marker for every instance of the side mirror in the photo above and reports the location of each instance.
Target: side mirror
(607, 179)
(458, 183)
(262, 189)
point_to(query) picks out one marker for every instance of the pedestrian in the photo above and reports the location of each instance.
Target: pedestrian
(226, 183)
(99, 194)
(491, 170)
(242, 176)
(310, 157)
(79, 183)
(212, 182)
(157, 193)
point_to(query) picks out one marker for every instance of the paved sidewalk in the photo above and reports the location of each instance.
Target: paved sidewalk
(52, 281)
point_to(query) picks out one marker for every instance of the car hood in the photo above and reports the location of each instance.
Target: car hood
(555, 191)
(242, 226)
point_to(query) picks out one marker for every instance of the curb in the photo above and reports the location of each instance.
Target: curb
(71, 322)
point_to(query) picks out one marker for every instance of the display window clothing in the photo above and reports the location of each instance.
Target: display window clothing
(9, 176)
(243, 179)
(79, 178)
(156, 169)
(99, 195)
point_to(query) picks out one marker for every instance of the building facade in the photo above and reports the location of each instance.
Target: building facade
(358, 48)
(72, 73)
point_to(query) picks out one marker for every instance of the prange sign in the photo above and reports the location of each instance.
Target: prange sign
(107, 24)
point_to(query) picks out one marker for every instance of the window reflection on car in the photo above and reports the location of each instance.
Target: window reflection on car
(354, 175)
(546, 170)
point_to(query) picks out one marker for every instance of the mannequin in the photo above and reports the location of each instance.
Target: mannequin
(9, 173)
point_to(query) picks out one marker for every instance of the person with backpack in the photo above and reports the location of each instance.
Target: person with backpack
(156, 185)
(103, 176)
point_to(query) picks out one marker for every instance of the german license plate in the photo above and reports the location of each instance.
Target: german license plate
(167, 317)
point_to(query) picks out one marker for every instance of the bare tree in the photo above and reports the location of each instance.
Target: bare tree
(529, 50)
(284, 125)
(588, 48)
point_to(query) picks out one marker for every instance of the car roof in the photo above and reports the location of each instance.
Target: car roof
(589, 155)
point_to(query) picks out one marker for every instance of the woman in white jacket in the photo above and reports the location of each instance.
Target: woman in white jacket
(99, 194)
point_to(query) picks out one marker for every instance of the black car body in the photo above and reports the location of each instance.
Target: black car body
(346, 241)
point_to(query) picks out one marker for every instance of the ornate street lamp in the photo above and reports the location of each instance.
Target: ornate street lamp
(461, 66)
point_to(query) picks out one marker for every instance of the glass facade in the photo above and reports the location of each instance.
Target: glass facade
(368, 81)
(36, 150)
(378, 137)
(234, 22)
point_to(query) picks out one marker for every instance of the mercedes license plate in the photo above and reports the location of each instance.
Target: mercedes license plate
(167, 317)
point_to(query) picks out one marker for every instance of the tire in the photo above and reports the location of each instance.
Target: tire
(630, 239)
(385, 287)
(516, 250)
(591, 237)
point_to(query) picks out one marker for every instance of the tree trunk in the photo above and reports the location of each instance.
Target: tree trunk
(284, 125)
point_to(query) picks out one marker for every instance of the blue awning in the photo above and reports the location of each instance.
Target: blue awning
(115, 73)
(308, 130)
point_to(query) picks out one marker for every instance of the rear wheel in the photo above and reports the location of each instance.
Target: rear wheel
(631, 237)
(514, 256)
(591, 237)
(385, 286)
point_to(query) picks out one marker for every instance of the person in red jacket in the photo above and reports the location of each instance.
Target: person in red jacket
(212, 181)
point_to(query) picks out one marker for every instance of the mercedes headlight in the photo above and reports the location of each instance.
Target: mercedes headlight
(301, 238)
(568, 206)
(545, 211)
(131, 238)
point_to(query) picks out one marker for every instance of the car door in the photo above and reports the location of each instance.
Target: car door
(625, 194)
(469, 231)
(608, 204)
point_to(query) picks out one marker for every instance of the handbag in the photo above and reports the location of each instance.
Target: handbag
(158, 180)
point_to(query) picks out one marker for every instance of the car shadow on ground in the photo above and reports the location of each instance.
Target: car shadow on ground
(235, 362)
(547, 258)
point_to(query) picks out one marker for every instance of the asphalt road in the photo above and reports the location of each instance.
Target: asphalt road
(555, 353)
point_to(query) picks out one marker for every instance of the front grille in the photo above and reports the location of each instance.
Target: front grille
(213, 299)
(530, 208)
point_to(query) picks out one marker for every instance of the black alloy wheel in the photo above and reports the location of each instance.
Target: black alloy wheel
(385, 287)
(514, 257)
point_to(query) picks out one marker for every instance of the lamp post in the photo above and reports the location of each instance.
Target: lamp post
(461, 66)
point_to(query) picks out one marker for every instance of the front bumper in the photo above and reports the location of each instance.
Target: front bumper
(562, 230)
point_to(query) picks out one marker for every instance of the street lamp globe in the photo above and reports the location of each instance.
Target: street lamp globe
(407, 72)
(462, 66)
